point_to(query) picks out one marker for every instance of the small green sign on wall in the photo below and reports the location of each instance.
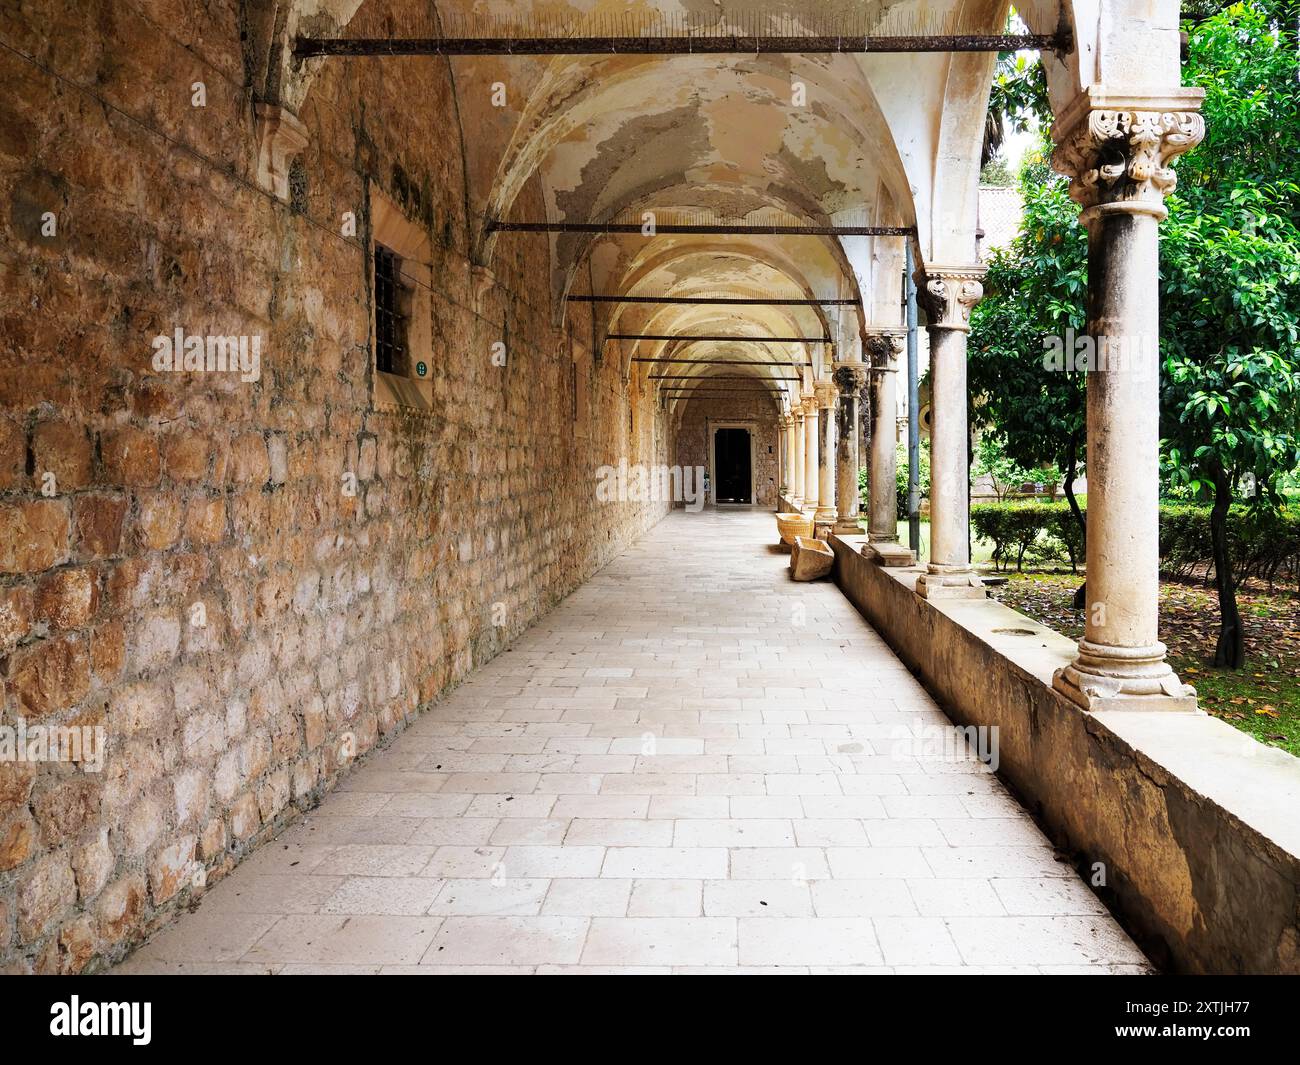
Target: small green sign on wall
(421, 369)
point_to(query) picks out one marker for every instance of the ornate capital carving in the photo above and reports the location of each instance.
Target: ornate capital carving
(1119, 149)
(950, 294)
(851, 378)
(825, 391)
(809, 404)
(884, 346)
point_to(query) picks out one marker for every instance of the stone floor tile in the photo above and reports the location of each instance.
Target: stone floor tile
(666, 898)
(955, 898)
(265, 893)
(581, 897)
(662, 775)
(881, 897)
(746, 832)
(1043, 897)
(666, 862)
(661, 941)
(507, 941)
(619, 832)
(489, 897)
(398, 895)
(561, 861)
(345, 940)
(756, 898)
(808, 941)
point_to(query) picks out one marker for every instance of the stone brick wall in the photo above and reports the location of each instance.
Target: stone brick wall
(248, 585)
(692, 438)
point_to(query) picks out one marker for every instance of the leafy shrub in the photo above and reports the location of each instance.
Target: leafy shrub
(900, 479)
(1028, 529)
(1263, 546)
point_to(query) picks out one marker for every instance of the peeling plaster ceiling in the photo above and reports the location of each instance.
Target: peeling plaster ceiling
(885, 139)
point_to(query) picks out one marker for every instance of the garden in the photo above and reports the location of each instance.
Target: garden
(1230, 375)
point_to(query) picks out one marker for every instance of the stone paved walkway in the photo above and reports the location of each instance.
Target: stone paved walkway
(693, 764)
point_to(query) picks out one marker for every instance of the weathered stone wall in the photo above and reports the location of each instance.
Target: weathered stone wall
(692, 438)
(249, 584)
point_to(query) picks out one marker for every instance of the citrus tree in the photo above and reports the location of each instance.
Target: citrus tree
(1229, 289)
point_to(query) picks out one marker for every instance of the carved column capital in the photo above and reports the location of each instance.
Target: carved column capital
(809, 404)
(950, 294)
(825, 392)
(884, 346)
(1118, 148)
(850, 377)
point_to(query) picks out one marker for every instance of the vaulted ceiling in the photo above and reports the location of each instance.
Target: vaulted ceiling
(814, 139)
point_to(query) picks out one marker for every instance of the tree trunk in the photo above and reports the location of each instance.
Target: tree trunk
(1071, 468)
(1230, 652)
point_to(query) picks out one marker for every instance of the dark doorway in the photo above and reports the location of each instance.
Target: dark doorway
(731, 461)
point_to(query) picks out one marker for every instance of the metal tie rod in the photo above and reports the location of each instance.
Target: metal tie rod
(706, 229)
(744, 340)
(722, 301)
(717, 377)
(725, 362)
(713, 44)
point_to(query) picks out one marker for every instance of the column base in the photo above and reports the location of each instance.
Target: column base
(825, 515)
(848, 527)
(1123, 678)
(948, 582)
(889, 553)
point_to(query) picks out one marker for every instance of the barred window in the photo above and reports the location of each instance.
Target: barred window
(390, 321)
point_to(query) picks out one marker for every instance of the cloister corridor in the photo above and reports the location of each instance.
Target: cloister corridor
(692, 764)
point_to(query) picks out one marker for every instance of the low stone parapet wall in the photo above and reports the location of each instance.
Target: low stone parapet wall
(1192, 824)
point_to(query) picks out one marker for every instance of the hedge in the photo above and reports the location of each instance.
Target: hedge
(1263, 548)
(1028, 528)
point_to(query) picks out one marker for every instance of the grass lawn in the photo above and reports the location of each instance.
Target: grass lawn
(1263, 698)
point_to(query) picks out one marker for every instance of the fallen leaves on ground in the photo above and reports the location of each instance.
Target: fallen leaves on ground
(1263, 698)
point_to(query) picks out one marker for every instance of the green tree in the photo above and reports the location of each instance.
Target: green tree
(1027, 395)
(1230, 288)
(1230, 284)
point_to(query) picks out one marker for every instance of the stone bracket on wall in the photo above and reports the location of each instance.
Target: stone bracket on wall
(280, 137)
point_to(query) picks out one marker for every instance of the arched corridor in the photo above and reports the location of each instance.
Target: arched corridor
(692, 763)
(365, 369)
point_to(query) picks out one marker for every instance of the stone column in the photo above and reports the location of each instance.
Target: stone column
(884, 346)
(1118, 149)
(825, 393)
(850, 378)
(781, 486)
(810, 481)
(951, 292)
(796, 455)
